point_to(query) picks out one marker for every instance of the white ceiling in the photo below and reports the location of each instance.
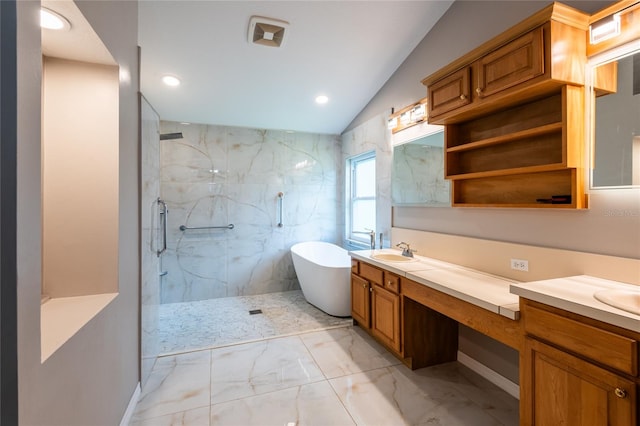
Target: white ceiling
(346, 50)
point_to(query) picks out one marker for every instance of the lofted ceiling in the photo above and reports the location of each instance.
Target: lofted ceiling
(345, 50)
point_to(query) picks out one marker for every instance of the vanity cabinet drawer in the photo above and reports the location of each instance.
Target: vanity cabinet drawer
(604, 347)
(391, 282)
(371, 273)
(354, 266)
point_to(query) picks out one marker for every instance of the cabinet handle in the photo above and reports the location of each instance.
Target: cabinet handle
(620, 393)
(463, 97)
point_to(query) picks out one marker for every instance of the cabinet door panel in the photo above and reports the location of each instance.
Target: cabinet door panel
(566, 390)
(360, 300)
(453, 91)
(385, 317)
(512, 64)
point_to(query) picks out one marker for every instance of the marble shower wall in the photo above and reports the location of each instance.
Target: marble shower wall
(373, 135)
(219, 175)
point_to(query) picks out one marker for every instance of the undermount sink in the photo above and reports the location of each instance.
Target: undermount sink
(627, 300)
(390, 257)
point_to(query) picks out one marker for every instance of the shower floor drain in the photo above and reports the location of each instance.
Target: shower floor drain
(255, 311)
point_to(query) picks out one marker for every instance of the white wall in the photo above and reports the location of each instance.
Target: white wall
(90, 379)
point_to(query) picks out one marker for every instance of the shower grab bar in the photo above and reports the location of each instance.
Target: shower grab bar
(280, 202)
(185, 228)
(163, 219)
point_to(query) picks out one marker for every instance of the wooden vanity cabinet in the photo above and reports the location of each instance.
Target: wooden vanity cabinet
(360, 301)
(576, 370)
(375, 304)
(385, 311)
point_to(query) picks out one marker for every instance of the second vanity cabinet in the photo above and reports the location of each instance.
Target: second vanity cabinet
(375, 303)
(576, 370)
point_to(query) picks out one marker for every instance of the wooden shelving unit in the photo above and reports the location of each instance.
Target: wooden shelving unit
(514, 116)
(519, 156)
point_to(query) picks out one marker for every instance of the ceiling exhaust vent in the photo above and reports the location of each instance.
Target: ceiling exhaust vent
(267, 31)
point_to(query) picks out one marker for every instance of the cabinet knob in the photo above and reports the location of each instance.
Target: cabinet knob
(463, 97)
(364, 286)
(479, 91)
(620, 393)
(371, 289)
(389, 283)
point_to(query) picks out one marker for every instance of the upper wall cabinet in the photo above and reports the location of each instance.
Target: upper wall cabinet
(513, 111)
(536, 57)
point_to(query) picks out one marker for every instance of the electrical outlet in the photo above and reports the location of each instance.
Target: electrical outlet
(520, 265)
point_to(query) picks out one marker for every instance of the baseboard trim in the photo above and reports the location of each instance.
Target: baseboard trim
(491, 375)
(128, 414)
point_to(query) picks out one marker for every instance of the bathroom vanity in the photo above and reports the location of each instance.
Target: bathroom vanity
(578, 356)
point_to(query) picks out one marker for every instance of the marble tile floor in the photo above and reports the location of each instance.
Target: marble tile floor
(212, 323)
(339, 376)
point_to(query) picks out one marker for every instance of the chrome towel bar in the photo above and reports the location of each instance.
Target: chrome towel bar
(185, 228)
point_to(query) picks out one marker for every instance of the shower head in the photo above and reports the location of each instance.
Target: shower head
(169, 136)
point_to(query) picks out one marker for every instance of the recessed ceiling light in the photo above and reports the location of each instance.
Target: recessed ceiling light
(170, 80)
(322, 99)
(51, 20)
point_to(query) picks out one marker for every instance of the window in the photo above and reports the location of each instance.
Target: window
(361, 197)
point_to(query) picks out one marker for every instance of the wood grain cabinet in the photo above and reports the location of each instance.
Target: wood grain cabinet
(513, 111)
(576, 371)
(385, 311)
(375, 304)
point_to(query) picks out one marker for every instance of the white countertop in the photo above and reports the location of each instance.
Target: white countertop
(479, 288)
(575, 294)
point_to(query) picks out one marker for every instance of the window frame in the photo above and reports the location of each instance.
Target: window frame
(350, 196)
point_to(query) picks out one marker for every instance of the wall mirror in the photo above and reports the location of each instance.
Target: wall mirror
(417, 174)
(614, 117)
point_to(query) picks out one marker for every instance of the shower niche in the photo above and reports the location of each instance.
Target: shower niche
(80, 167)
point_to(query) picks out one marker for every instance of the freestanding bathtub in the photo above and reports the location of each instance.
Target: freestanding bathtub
(324, 272)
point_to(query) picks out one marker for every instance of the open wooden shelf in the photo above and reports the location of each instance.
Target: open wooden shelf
(518, 155)
(520, 190)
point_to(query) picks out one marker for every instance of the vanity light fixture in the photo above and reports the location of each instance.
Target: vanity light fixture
(322, 99)
(51, 20)
(418, 113)
(171, 80)
(405, 118)
(392, 123)
(604, 29)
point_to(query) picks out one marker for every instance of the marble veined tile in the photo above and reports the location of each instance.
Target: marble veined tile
(348, 350)
(195, 417)
(176, 383)
(380, 397)
(313, 404)
(456, 377)
(387, 397)
(261, 367)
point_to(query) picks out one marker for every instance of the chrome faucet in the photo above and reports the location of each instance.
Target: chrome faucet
(406, 250)
(372, 236)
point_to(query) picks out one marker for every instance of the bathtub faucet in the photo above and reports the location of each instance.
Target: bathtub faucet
(372, 236)
(406, 250)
